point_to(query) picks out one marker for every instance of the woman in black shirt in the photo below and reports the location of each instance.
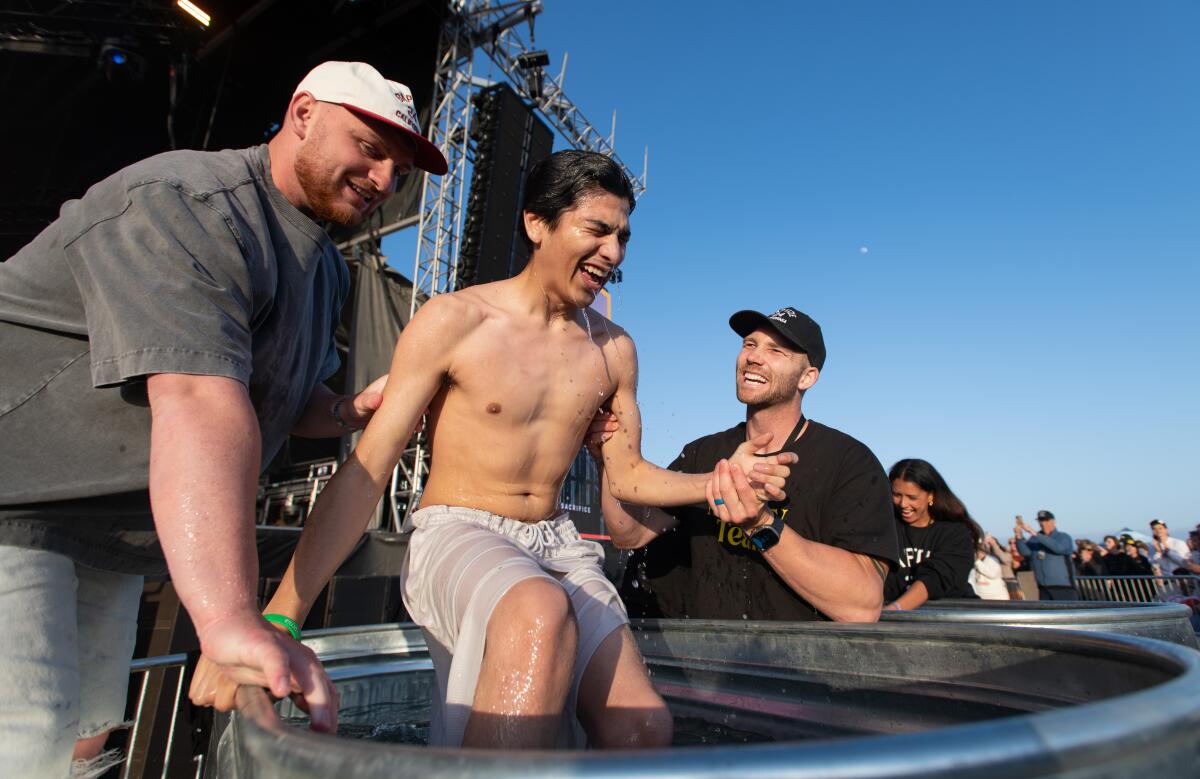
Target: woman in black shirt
(1090, 562)
(937, 538)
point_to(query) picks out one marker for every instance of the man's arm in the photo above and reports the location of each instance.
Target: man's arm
(630, 526)
(420, 365)
(1176, 559)
(1183, 562)
(843, 585)
(204, 462)
(1022, 545)
(631, 478)
(340, 514)
(325, 407)
(1057, 542)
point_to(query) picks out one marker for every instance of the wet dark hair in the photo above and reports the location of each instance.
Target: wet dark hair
(559, 182)
(946, 505)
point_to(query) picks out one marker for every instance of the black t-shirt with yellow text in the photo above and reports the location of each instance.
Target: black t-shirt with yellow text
(838, 494)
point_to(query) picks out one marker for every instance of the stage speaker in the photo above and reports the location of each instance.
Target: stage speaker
(509, 140)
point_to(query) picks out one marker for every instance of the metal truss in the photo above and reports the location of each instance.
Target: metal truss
(439, 228)
(442, 196)
(546, 93)
(490, 27)
(77, 27)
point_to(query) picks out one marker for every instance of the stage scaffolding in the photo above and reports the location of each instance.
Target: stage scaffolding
(493, 29)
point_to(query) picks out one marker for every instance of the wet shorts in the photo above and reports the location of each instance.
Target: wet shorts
(460, 563)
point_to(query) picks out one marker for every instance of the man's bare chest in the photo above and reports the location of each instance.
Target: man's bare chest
(524, 380)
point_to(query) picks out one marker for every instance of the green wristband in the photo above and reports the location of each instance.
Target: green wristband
(287, 622)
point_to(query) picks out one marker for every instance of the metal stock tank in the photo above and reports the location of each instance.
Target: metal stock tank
(1163, 621)
(902, 699)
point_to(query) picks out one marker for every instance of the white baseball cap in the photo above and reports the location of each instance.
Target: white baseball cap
(363, 89)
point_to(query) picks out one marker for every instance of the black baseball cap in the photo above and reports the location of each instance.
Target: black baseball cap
(1154, 522)
(1043, 514)
(797, 328)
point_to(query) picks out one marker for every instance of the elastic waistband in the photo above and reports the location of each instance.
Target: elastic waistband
(558, 529)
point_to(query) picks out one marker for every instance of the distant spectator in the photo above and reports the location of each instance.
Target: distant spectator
(1170, 554)
(1114, 554)
(1146, 557)
(1019, 561)
(987, 577)
(1192, 562)
(1110, 546)
(1049, 552)
(1129, 561)
(1007, 570)
(1091, 560)
(938, 538)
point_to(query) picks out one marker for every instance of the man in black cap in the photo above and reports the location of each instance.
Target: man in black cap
(1049, 552)
(820, 554)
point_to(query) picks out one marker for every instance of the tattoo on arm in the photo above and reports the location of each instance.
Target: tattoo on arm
(881, 567)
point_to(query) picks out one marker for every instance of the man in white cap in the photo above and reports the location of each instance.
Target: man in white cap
(160, 341)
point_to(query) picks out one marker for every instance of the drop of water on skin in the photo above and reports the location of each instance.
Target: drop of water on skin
(587, 322)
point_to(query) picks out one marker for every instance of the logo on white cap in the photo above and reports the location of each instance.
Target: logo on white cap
(362, 88)
(358, 85)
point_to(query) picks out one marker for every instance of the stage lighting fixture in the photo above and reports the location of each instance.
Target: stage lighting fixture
(120, 63)
(195, 11)
(533, 59)
(532, 63)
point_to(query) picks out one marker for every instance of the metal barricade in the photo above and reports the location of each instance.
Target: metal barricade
(145, 747)
(1139, 589)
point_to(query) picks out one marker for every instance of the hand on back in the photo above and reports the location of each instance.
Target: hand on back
(603, 425)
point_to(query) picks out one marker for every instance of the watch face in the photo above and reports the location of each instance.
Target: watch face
(765, 538)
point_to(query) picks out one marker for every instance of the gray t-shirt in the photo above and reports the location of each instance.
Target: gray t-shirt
(187, 262)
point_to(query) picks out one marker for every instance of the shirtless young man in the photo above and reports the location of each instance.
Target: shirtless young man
(529, 639)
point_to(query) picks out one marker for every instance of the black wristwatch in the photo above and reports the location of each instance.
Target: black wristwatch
(766, 536)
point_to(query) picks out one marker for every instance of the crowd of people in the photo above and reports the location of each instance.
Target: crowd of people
(994, 575)
(1126, 555)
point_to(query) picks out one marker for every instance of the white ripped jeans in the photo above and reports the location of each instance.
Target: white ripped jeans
(66, 638)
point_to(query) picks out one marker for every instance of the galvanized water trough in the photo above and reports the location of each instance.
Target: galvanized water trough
(1164, 621)
(887, 700)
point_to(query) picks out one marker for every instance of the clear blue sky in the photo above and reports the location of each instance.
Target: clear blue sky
(991, 208)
